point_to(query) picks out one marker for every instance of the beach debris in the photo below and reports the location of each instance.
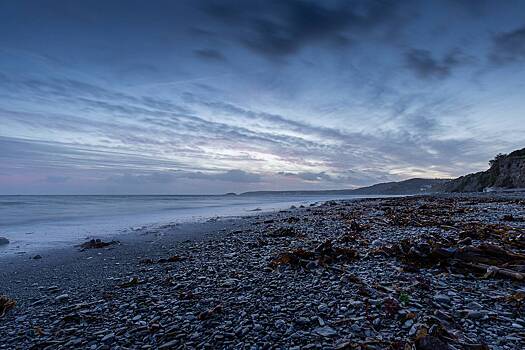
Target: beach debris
(408, 288)
(286, 231)
(72, 318)
(134, 281)
(487, 259)
(38, 331)
(6, 304)
(512, 218)
(4, 241)
(210, 312)
(429, 342)
(324, 254)
(96, 244)
(171, 259)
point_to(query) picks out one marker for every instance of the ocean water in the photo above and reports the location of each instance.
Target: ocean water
(34, 223)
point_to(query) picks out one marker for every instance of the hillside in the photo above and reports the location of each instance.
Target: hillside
(411, 186)
(507, 171)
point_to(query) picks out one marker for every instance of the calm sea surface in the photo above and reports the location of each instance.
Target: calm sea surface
(35, 222)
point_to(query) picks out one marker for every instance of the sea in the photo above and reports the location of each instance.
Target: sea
(33, 223)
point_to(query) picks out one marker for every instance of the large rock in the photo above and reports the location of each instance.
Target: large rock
(3, 241)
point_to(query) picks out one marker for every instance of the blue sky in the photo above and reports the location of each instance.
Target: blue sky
(195, 97)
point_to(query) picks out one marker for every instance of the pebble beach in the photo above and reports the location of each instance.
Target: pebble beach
(424, 272)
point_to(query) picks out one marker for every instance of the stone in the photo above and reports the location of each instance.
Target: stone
(429, 342)
(325, 331)
(4, 241)
(475, 314)
(169, 345)
(62, 298)
(323, 308)
(408, 323)
(442, 298)
(108, 338)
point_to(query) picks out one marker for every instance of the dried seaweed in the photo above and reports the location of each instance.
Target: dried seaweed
(6, 304)
(210, 312)
(96, 244)
(325, 254)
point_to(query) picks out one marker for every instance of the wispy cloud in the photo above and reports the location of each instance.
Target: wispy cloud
(206, 95)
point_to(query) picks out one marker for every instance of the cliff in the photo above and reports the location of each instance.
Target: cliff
(507, 171)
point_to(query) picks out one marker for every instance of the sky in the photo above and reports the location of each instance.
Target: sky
(209, 97)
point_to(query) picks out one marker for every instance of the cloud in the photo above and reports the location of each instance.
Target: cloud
(232, 175)
(425, 66)
(55, 179)
(239, 176)
(509, 46)
(209, 55)
(280, 28)
(309, 176)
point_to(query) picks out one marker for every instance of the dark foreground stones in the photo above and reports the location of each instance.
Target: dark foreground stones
(368, 274)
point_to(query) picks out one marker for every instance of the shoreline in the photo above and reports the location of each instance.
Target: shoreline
(68, 231)
(151, 241)
(236, 283)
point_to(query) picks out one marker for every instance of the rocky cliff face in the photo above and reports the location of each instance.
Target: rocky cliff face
(505, 172)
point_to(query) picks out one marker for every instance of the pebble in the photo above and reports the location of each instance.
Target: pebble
(325, 331)
(62, 298)
(442, 298)
(223, 293)
(108, 338)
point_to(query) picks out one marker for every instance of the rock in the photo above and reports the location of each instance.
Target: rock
(311, 265)
(413, 330)
(442, 298)
(36, 257)
(376, 243)
(475, 314)
(280, 324)
(323, 308)
(4, 241)
(408, 323)
(325, 331)
(429, 342)
(62, 298)
(474, 306)
(108, 338)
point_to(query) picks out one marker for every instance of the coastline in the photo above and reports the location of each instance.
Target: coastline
(34, 224)
(228, 288)
(153, 241)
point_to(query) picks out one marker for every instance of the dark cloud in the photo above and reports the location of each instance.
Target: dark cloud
(209, 55)
(280, 28)
(425, 66)
(509, 46)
